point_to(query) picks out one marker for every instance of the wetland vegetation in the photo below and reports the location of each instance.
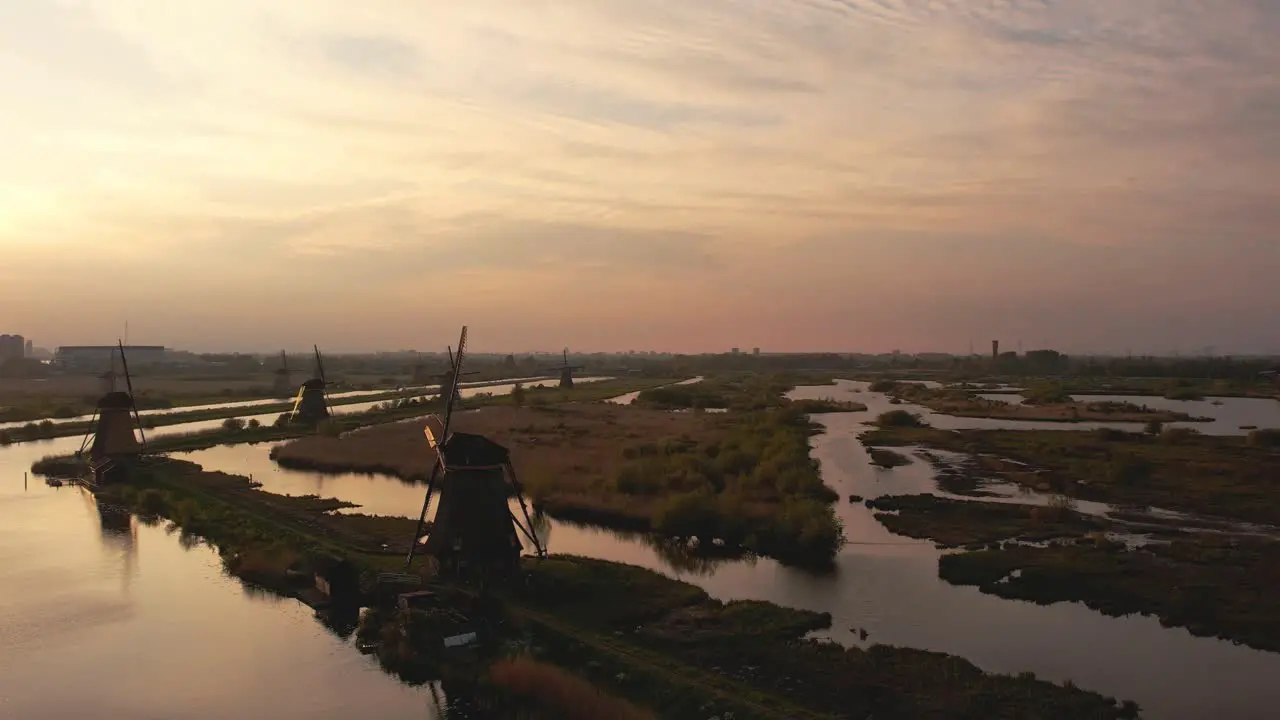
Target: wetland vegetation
(1207, 574)
(744, 479)
(638, 635)
(1220, 476)
(1044, 402)
(1213, 586)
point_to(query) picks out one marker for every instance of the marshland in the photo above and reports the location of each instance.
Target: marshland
(656, 483)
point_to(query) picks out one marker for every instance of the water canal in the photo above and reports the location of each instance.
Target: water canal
(79, 598)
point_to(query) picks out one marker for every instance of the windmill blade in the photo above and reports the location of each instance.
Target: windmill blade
(519, 490)
(422, 517)
(453, 394)
(128, 382)
(566, 357)
(88, 434)
(319, 363)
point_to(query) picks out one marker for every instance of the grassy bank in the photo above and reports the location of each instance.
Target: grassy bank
(1212, 586)
(745, 478)
(759, 648)
(953, 523)
(1226, 477)
(656, 641)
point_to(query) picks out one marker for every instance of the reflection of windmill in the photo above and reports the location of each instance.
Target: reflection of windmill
(282, 386)
(474, 527)
(115, 449)
(312, 404)
(565, 370)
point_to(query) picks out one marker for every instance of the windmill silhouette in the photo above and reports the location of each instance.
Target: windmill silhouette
(474, 529)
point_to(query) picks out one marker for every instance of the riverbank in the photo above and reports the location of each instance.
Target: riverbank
(678, 646)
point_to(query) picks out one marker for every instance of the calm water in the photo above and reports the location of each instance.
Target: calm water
(123, 622)
(51, 548)
(1230, 414)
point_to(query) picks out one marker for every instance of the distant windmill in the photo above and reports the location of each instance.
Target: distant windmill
(107, 380)
(282, 386)
(565, 370)
(474, 527)
(448, 380)
(312, 404)
(114, 448)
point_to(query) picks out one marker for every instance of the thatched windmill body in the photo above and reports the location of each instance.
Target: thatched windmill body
(115, 441)
(282, 385)
(474, 530)
(312, 403)
(566, 371)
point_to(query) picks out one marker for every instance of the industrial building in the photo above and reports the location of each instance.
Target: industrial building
(97, 357)
(12, 347)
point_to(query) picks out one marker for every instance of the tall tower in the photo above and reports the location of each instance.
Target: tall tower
(995, 349)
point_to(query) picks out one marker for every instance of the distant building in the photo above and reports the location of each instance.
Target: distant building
(98, 357)
(30, 350)
(735, 351)
(12, 347)
(755, 351)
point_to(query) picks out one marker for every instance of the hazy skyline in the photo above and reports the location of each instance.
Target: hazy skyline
(627, 174)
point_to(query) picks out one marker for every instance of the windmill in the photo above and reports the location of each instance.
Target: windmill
(565, 370)
(312, 403)
(474, 527)
(451, 379)
(114, 448)
(282, 386)
(107, 379)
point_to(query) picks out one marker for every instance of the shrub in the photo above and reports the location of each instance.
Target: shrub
(1130, 471)
(1155, 427)
(253, 424)
(900, 418)
(1046, 393)
(1266, 437)
(329, 427)
(1175, 435)
(233, 424)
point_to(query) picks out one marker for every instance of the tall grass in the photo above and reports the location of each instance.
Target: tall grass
(555, 693)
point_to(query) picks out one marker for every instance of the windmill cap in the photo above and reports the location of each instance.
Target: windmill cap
(115, 400)
(314, 384)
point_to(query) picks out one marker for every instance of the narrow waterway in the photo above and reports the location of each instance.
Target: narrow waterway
(884, 584)
(498, 387)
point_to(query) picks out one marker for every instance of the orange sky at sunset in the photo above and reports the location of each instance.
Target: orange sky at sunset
(618, 174)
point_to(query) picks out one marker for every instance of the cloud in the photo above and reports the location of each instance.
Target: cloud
(790, 147)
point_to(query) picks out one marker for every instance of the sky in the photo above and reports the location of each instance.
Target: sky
(851, 175)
